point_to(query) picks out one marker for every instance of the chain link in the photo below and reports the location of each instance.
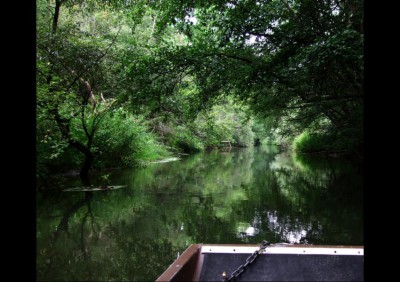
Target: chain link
(249, 261)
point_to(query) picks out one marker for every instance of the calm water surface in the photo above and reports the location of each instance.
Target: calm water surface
(240, 196)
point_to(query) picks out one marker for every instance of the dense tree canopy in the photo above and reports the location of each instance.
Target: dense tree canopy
(299, 61)
(190, 74)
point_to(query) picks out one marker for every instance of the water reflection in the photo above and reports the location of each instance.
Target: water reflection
(238, 196)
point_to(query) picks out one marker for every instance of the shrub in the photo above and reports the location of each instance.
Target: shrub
(124, 140)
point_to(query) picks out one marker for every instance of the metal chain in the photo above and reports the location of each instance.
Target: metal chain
(249, 260)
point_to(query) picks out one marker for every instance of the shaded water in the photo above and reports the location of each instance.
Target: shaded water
(240, 196)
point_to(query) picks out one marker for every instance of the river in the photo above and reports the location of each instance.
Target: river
(232, 196)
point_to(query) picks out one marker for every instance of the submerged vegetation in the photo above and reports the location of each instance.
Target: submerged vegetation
(123, 83)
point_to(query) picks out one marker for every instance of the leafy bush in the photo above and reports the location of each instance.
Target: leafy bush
(309, 142)
(124, 140)
(226, 121)
(185, 140)
(342, 142)
(243, 135)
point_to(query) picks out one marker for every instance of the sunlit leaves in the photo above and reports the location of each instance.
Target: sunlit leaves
(298, 60)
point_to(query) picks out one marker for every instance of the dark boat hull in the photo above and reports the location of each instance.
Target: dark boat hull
(277, 263)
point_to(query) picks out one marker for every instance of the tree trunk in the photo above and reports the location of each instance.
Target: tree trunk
(86, 165)
(56, 15)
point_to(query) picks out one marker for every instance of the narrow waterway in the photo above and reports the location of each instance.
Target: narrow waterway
(236, 196)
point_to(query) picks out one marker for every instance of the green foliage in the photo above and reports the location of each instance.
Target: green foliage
(309, 142)
(299, 61)
(80, 83)
(243, 135)
(319, 142)
(197, 72)
(123, 140)
(226, 121)
(185, 140)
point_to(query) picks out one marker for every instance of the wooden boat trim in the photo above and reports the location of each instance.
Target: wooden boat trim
(286, 245)
(185, 267)
(316, 250)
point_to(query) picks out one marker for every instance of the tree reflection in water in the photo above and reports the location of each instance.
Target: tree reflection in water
(240, 196)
